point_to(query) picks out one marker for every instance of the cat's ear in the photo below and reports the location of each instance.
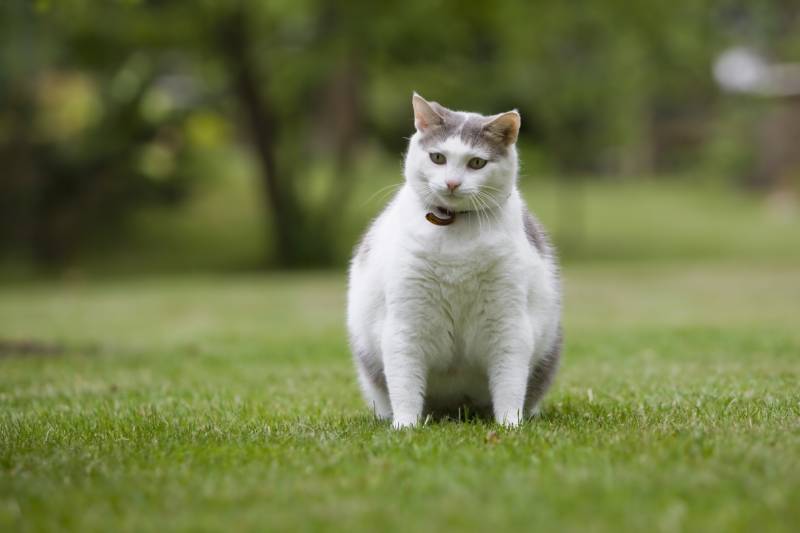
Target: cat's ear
(504, 127)
(425, 117)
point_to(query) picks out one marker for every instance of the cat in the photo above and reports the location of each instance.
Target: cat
(454, 293)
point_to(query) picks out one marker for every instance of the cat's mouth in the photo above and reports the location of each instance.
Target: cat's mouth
(450, 201)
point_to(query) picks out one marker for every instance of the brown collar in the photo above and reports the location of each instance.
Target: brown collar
(450, 216)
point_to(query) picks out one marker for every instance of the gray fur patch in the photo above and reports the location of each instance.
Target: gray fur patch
(450, 126)
(469, 127)
(536, 234)
(373, 369)
(543, 373)
(473, 133)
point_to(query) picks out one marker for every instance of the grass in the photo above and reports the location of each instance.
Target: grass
(211, 403)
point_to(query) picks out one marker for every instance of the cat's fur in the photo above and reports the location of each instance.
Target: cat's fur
(468, 313)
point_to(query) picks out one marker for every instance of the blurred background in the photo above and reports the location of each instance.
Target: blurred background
(144, 137)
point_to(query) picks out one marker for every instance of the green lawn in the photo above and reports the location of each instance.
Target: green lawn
(208, 403)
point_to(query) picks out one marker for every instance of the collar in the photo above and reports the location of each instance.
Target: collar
(447, 217)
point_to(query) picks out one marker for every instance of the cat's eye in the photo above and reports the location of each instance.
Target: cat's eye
(438, 158)
(476, 163)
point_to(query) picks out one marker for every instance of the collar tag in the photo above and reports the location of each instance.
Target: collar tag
(439, 221)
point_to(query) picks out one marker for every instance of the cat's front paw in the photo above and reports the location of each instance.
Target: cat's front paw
(404, 422)
(509, 420)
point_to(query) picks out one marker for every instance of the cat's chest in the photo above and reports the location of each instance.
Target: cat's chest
(461, 259)
(460, 270)
(459, 285)
(455, 306)
(463, 272)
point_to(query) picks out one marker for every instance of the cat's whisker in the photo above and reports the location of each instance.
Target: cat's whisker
(473, 200)
(483, 213)
(489, 188)
(386, 195)
(486, 198)
(479, 211)
(482, 191)
(490, 197)
(475, 206)
(383, 191)
(483, 207)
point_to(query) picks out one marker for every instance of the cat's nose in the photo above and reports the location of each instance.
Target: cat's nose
(452, 184)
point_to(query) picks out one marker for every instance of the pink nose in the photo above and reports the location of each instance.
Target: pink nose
(452, 184)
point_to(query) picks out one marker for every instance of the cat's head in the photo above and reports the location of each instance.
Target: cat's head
(461, 161)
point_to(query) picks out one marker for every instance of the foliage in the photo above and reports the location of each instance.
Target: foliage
(111, 106)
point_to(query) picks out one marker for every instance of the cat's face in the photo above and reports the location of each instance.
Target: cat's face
(461, 161)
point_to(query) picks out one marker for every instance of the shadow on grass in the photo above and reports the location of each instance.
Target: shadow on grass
(30, 348)
(560, 414)
(574, 414)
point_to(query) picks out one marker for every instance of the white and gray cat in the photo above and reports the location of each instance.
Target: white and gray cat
(454, 295)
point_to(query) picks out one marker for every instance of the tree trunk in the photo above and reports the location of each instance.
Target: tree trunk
(278, 195)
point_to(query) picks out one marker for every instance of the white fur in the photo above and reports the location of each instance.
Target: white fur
(452, 313)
